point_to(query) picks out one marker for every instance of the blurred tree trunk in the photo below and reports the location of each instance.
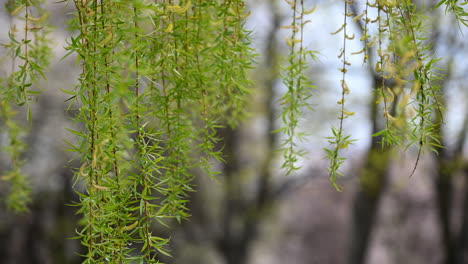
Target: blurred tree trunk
(366, 202)
(231, 246)
(463, 239)
(444, 189)
(373, 175)
(448, 163)
(42, 235)
(241, 215)
(372, 182)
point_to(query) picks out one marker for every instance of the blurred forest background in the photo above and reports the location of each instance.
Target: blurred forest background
(254, 213)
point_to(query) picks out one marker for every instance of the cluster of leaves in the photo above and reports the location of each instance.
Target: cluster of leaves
(157, 81)
(340, 140)
(408, 92)
(299, 86)
(456, 9)
(420, 94)
(28, 53)
(160, 78)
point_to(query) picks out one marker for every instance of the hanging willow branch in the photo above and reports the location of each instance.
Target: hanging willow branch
(425, 88)
(408, 91)
(143, 78)
(339, 140)
(29, 54)
(298, 86)
(159, 78)
(457, 9)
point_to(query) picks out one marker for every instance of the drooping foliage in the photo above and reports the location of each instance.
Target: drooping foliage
(159, 78)
(408, 92)
(298, 85)
(28, 53)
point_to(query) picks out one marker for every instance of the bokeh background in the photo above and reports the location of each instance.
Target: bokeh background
(254, 213)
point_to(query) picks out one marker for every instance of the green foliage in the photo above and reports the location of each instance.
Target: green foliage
(456, 9)
(151, 103)
(299, 86)
(408, 92)
(28, 52)
(339, 140)
(160, 78)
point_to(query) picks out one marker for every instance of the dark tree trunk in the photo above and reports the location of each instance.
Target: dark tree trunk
(234, 241)
(366, 202)
(242, 217)
(443, 188)
(454, 239)
(372, 182)
(463, 239)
